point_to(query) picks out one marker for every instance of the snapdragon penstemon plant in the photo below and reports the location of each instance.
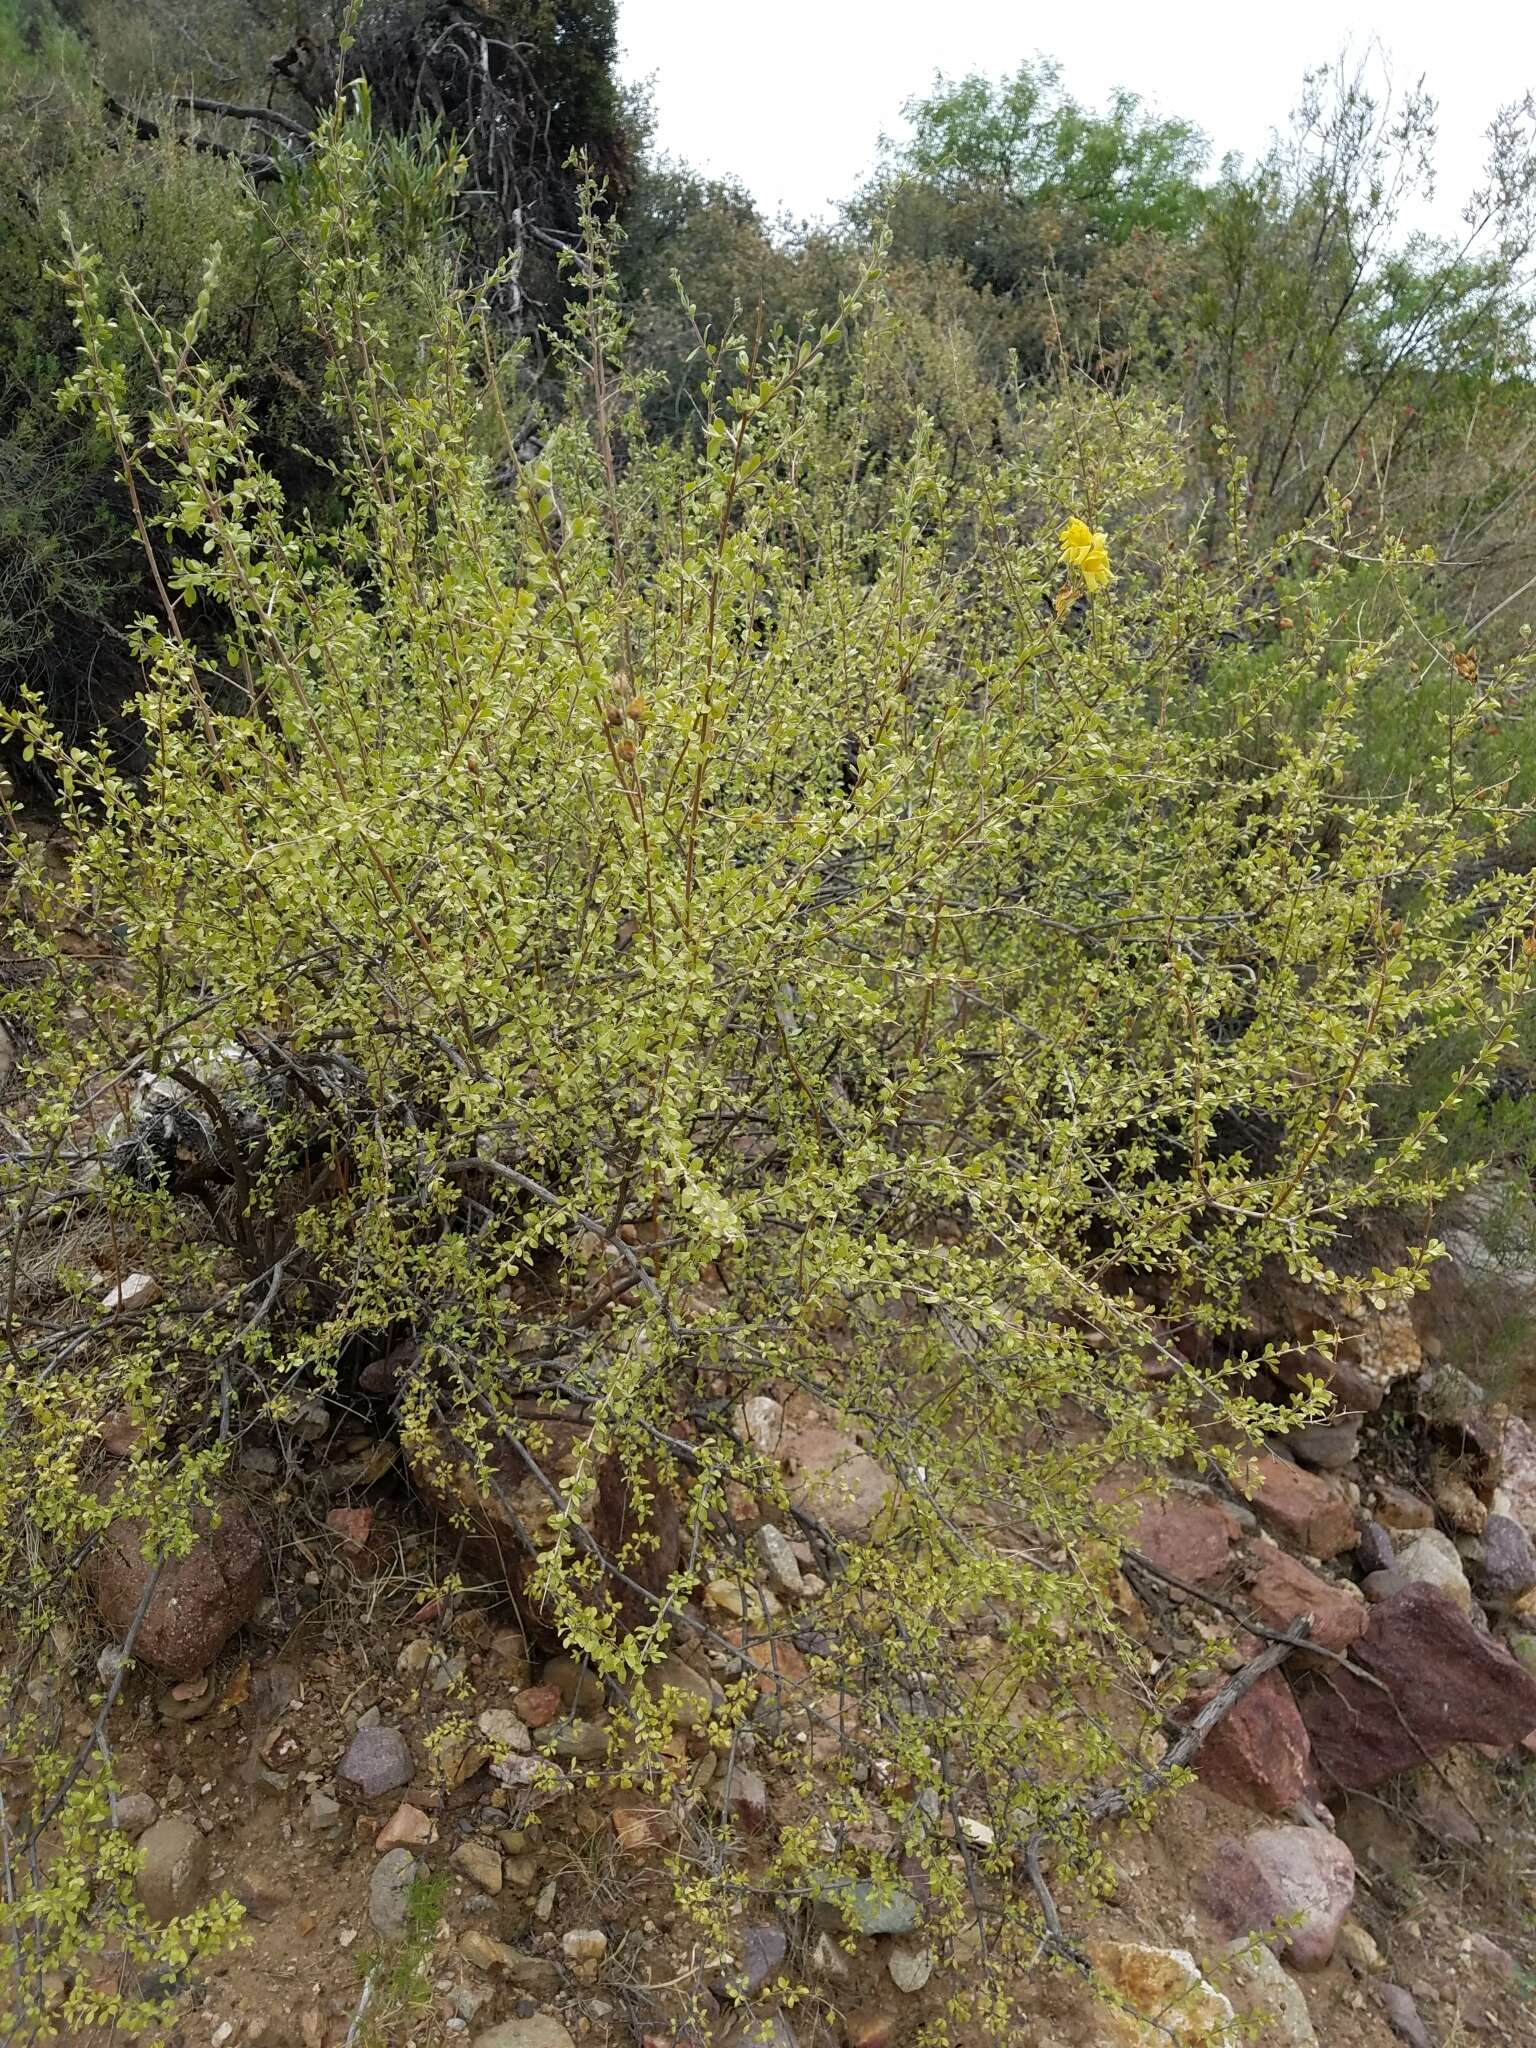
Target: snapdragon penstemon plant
(675, 920)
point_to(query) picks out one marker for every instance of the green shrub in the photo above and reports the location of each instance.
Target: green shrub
(753, 885)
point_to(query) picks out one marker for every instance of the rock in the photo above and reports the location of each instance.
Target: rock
(172, 1877)
(136, 1811)
(759, 2030)
(1160, 1997)
(543, 2030)
(407, 1828)
(779, 1561)
(640, 1828)
(1514, 1493)
(584, 1949)
(575, 1741)
(1382, 1585)
(1284, 1589)
(537, 1705)
(538, 1780)
(480, 1863)
(505, 1731)
(389, 1893)
(1359, 1950)
(1298, 1874)
(1193, 1539)
(1439, 1681)
(687, 1695)
(1387, 1348)
(1258, 1754)
(1523, 1649)
(834, 1478)
(262, 1896)
(871, 2027)
(137, 1291)
(1426, 1557)
(363, 1552)
(1352, 1390)
(321, 1810)
(1403, 2016)
(829, 1960)
(378, 1760)
(1509, 1560)
(533, 1974)
(199, 1600)
(744, 1797)
(1452, 1400)
(760, 1422)
(763, 1949)
(1309, 1509)
(509, 1656)
(1328, 1446)
(579, 1687)
(1459, 1505)
(910, 1965)
(498, 1512)
(1480, 1948)
(121, 1433)
(1397, 1508)
(1442, 1815)
(869, 1908)
(1374, 1552)
(744, 1602)
(1267, 1998)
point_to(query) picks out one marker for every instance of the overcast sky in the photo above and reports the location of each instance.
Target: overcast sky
(792, 97)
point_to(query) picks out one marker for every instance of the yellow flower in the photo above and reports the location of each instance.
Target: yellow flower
(1087, 552)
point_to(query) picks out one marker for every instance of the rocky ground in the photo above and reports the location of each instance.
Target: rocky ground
(414, 1810)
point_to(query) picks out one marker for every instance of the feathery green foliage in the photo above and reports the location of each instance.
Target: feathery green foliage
(749, 878)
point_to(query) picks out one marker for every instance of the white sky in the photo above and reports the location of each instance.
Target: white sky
(791, 97)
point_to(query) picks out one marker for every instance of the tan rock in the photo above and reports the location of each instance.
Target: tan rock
(1159, 1997)
(1397, 1508)
(833, 1477)
(641, 1828)
(480, 1863)
(407, 1828)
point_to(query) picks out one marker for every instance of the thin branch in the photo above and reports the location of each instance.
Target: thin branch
(267, 116)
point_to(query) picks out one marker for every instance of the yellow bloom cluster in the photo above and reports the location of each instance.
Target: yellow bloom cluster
(1087, 552)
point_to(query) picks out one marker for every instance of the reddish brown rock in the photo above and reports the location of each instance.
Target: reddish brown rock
(364, 1549)
(199, 1600)
(537, 1705)
(1284, 1589)
(1303, 1876)
(1193, 1539)
(1309, 1509)
(1257, 1755)
(520, 1498)
(1438, 1680)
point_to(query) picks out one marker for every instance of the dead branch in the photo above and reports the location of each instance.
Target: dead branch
(262, 170)
(265, 117)
(1115, 1802)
